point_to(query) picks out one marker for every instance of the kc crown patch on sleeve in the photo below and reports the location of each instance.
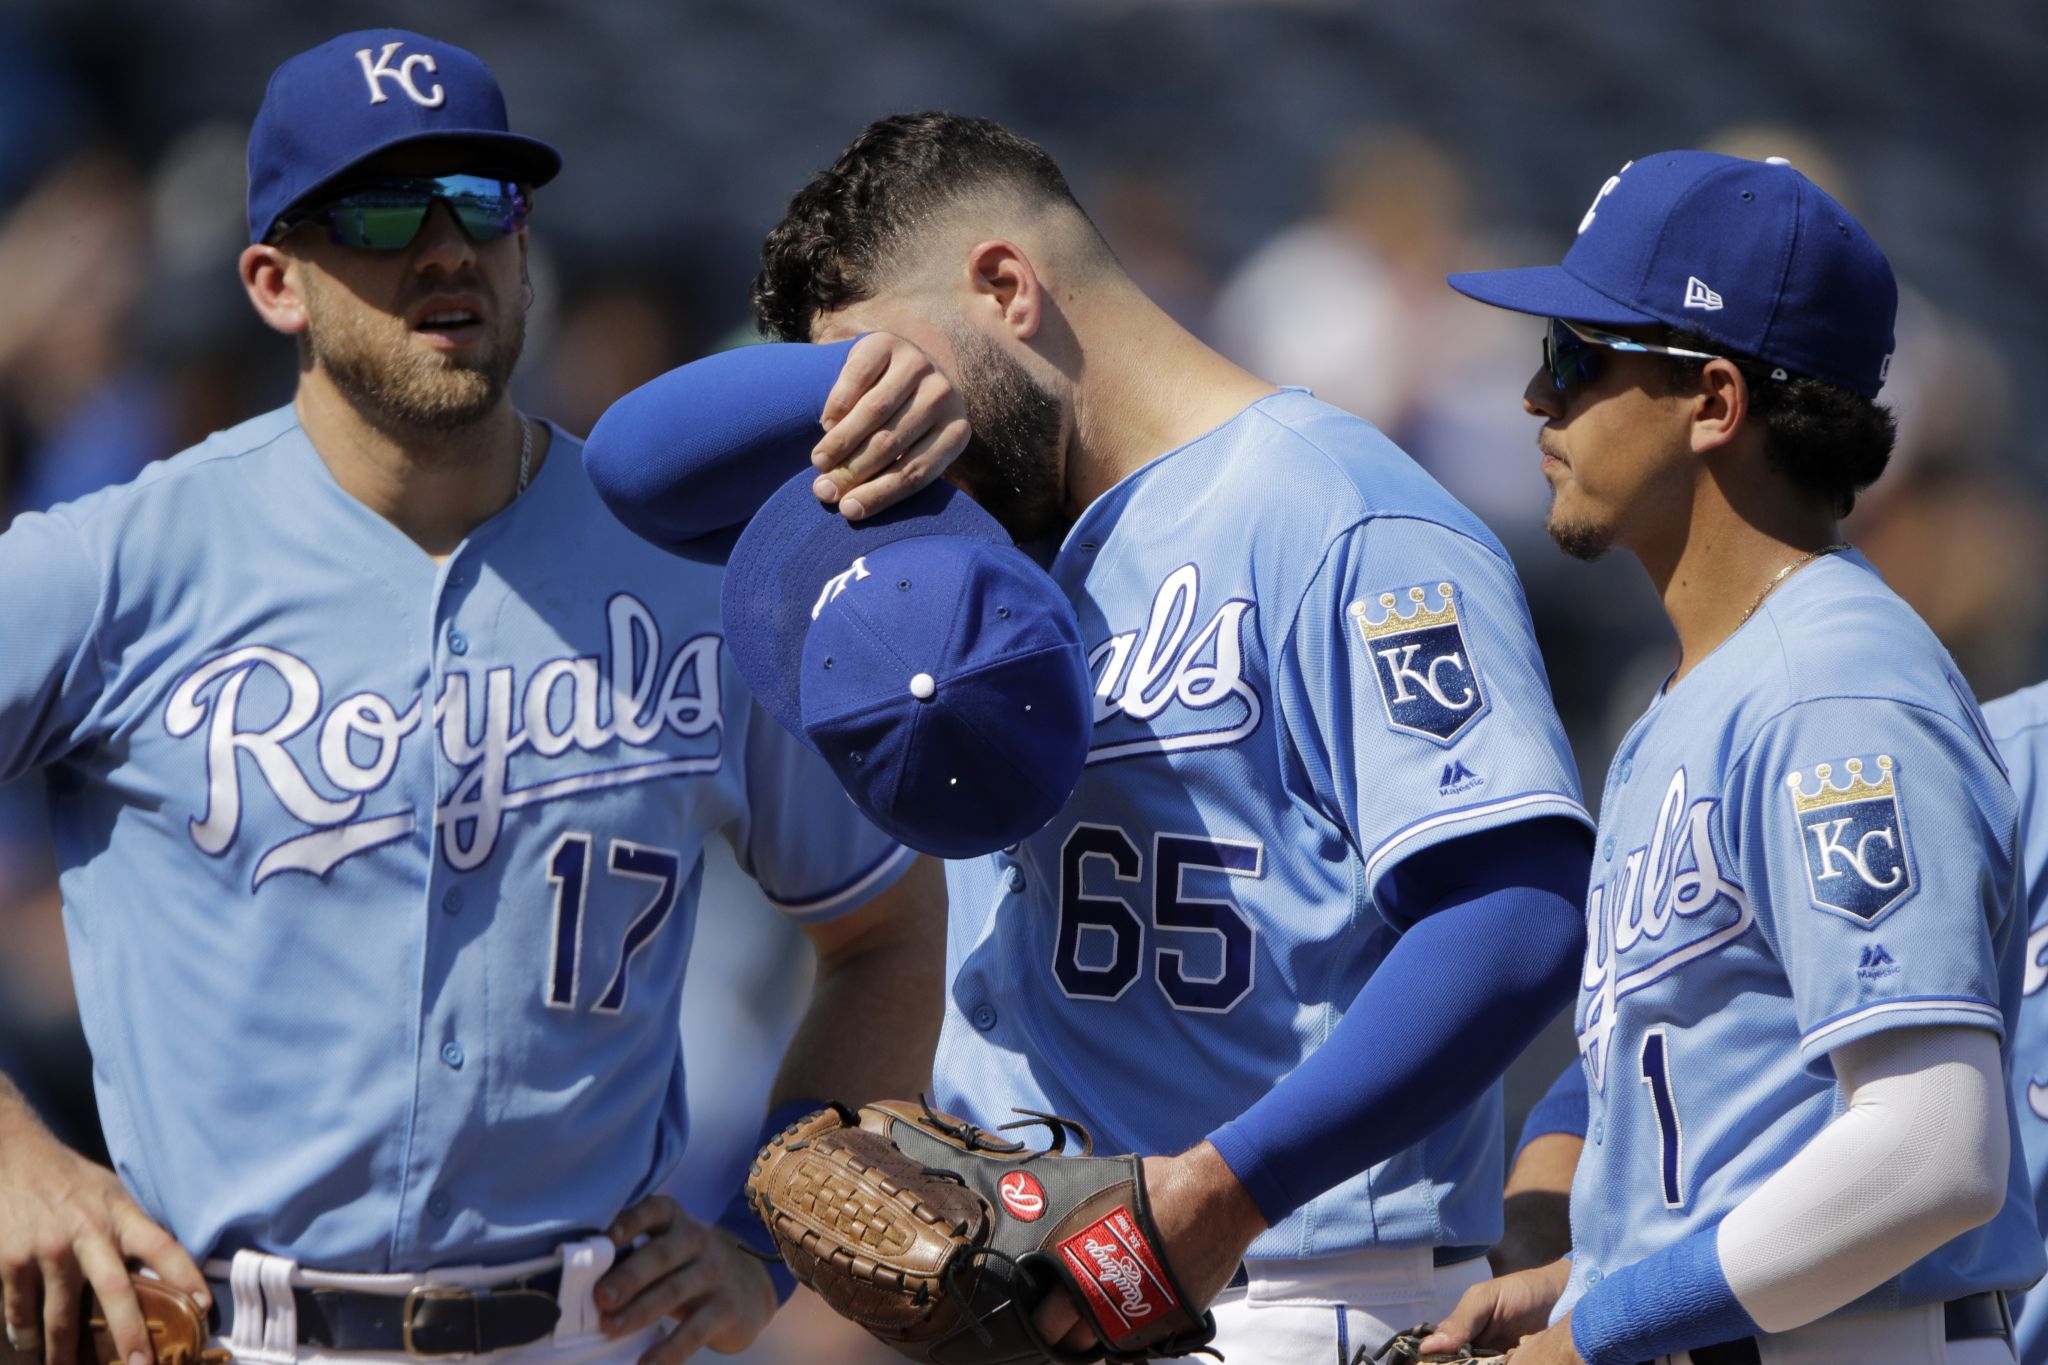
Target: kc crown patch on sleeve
(1421, 659)
(1852, 833)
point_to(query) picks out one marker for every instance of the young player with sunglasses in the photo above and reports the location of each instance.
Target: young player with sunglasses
(1804, 946)
(383, 759)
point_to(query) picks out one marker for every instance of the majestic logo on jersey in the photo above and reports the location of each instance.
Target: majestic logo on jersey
(1425, 670)
(839, 583)
(1458, 778)
(1185, 686)
(1668, 905)
(380, 71)
(1875, 963)
(1854, 839)
(568, 705)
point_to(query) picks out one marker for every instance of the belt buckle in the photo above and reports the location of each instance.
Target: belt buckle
(419, 1294)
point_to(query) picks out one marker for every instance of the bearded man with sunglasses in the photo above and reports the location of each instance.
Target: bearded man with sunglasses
(1804, 947)
(382, 760)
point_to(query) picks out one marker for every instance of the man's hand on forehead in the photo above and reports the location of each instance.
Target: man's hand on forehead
(893, 423)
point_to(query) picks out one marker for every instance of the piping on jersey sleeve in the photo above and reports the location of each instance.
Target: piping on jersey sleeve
(1466, 820)
(850, 896)
(1830, 1034)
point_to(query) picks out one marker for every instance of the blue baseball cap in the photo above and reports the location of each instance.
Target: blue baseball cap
(366, 93)
(1751, 254)
(933, 664)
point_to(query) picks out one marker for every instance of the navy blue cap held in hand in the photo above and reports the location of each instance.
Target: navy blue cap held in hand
(934, 666)
(334, 107)
(1751, 254)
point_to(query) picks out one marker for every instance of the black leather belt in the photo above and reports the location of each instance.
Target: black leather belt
(1966, 1319)
(431, 1320)
(1441, 1257)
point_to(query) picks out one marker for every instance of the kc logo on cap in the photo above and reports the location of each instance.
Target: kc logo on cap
(382, 70)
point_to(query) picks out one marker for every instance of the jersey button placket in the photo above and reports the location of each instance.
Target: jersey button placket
(984, 1017)
(458, 643)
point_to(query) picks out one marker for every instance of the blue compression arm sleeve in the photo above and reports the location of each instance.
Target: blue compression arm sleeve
(739, 1217)
(1493, 954)
(686, 459)
(1670, 1301)
(1562, 1109)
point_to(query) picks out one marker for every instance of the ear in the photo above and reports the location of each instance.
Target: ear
(1001, 278)
(270, 276)
(1719, 406)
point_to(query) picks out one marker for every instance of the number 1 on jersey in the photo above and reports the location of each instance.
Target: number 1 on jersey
(569, 872)
(1670, 1147)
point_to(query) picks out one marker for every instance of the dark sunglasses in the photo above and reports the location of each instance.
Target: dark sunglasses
(1571, 352)
(386, 215)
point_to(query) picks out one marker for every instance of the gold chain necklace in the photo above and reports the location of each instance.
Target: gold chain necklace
(1781, 575)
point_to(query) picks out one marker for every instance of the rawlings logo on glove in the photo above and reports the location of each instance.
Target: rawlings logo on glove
(934, 1235)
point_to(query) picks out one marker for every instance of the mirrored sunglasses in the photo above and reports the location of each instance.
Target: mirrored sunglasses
(1571, 352)
(386, 215)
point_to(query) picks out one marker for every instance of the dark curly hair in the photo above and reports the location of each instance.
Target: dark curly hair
(842, 228)
(1828, 441)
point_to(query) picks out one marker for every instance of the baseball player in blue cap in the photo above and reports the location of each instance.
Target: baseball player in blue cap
(382, 760)
(1318, 881)
(1804, 947)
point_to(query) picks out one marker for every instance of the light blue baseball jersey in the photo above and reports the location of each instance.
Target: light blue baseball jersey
(379, 873)
(1807, 841)
(1310, 663)
(2019, 725)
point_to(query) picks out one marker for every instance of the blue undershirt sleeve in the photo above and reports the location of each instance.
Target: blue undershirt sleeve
(1672, 1300)
(1562, 1109)
(1495, 934)
(686, 459)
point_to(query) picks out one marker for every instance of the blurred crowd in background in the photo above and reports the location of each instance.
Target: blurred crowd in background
(1290, 180)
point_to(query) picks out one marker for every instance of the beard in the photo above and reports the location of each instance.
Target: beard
(396, 384)
(1011, 465)
(1582, 540)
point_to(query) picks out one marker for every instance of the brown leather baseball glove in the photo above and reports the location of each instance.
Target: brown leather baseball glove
(942, 1239)
(178, 1331)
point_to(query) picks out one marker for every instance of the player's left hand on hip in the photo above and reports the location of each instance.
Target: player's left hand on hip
(892, 424)
(718, 1295)
(1206, 1219)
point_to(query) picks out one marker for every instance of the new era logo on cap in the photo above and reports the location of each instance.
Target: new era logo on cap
(1697, 295)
